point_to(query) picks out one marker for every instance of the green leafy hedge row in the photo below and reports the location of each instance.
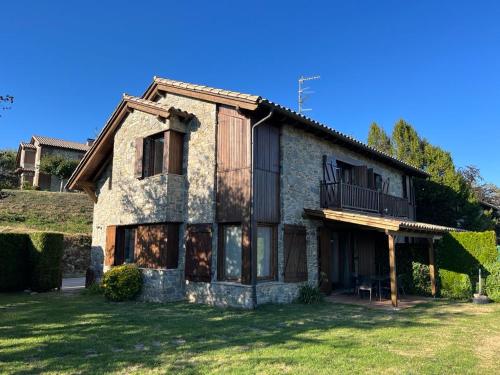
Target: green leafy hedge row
(30, 261)
(459, 256)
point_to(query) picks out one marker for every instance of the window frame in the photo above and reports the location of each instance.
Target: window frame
(221, 254)
(273, 254)
(149, 155)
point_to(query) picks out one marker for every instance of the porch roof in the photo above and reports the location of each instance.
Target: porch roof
(393, 225)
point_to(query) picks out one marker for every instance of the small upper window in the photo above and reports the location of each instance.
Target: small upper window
(153, 155)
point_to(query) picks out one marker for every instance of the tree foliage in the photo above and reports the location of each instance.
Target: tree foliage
(8, 176)
(449, 196)
(58, 166)
(378, 139)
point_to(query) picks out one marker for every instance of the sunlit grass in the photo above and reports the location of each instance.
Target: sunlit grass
(61, 333)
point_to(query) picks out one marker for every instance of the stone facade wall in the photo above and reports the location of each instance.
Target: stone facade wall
(76, 254)
(230, 294)
(187, 198)
(301, 173)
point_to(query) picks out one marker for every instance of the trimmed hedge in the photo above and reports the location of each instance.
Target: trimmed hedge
(459, 256)
(493, 282)
(14, 266)
(30, 261)
(122, 283)
(46, 252)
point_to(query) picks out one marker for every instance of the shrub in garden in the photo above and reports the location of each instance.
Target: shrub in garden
(122, 283)
(493, 282)
(46, 250)
(421, 279)
(309, 294)
(13, 261)
(455, 285)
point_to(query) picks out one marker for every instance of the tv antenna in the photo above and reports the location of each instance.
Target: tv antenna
(304, 90)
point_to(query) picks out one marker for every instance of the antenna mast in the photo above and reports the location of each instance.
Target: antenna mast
(303, 91)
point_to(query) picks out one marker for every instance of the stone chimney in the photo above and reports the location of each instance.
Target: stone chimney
(90, 142)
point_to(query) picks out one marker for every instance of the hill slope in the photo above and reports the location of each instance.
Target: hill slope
(39, 210)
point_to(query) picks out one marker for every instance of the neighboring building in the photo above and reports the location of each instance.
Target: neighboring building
(229, 199)
(29, 156)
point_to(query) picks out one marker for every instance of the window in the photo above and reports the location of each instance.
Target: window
(405, 191)
(159, 153)
(265, 252)
(153, 155)
(231, 237)
(129, 245)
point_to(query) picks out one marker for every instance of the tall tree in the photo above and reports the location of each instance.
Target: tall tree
(8, 176)
(378, 139)
(407, 144)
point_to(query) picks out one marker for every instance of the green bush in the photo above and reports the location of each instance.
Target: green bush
(309, 294)
(46, 252)
(122, 282)
(421, 279)
(13, 261)
(493, 282)
(93, 289)
(455, 285)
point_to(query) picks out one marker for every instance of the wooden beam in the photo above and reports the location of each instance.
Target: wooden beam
(432, 267)
(90, 193)
(392, 270)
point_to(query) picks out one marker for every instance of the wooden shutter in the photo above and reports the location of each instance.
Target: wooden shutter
(360, 175)
(329, 169)
(139, 156)
(325, 259)
(171, 241)
(173, 147)
(199, 252)
(371, 178)
(109, 256)
(295, 254)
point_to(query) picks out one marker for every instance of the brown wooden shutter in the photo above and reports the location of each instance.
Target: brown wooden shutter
(295, 249)
(171, 259)
(360, 175)
(371, 178)
(324, 258)
(329, 169)
(199, 252)
(139, 156)
(109, 256)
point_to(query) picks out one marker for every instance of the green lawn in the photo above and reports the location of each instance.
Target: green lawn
(64, 333)
(42, 210)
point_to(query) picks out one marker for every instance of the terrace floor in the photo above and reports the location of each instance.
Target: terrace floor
(385, 304)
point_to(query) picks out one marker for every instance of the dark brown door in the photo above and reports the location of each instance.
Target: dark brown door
(325, 260)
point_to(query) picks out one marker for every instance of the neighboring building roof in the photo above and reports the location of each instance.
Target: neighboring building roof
(488, 205)
(253, 101)
(28, 145)
(380, 222)
(54, 142)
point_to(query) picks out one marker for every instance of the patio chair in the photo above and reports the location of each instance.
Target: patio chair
(386, 287)
(365, 285)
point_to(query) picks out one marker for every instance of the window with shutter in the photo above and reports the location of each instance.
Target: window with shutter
(295, 251)
(159, 153)
(198, 252)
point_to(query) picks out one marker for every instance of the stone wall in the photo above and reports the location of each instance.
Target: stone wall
(301, 173)
(76, 255)
(187, 198)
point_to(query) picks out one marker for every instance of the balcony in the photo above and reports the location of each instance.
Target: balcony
(340, 195)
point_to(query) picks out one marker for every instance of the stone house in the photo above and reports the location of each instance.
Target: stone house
(30, 154)
(227, 198)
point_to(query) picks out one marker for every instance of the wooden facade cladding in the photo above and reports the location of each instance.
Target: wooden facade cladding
(233, 166)
(199, 252)
(267, 173)
(295, 251)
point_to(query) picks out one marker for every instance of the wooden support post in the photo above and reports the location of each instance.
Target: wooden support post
(392, 270)
(432, 267)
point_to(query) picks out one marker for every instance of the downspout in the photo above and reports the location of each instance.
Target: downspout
(253, 223)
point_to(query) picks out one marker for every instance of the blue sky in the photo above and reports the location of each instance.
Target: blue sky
(434, 63)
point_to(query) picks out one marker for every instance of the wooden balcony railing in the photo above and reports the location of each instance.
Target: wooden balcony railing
(352, 197)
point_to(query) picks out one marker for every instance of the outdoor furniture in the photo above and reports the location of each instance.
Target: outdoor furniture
(365, 285)
(379, 279)
(387, 286)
